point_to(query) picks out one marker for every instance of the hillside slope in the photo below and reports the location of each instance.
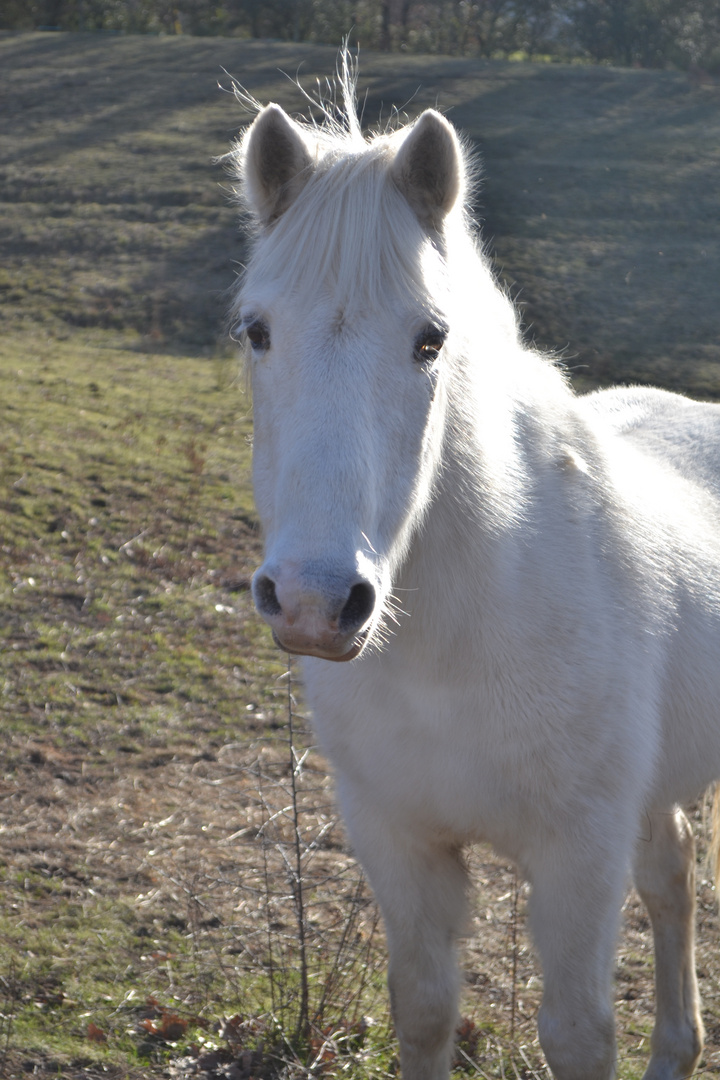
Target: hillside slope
(600, 199)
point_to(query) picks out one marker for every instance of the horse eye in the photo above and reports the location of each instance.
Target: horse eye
(428, 344)
(258, 335)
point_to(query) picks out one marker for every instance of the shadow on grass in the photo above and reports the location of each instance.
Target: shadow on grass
(599, 202)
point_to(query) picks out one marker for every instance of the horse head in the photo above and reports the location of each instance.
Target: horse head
(345, 308)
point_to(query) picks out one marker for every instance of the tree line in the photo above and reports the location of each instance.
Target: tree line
(644, 33)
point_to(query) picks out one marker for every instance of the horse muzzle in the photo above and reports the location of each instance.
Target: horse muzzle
(310, 614)
(326, 652)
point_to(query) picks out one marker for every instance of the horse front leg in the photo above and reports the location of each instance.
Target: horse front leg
(420, 885)
(665, 878)
(578, 886)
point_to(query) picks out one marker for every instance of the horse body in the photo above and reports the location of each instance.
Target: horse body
(675, 498)
(526, 583)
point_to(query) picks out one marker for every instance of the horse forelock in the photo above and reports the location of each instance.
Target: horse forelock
(350, 232)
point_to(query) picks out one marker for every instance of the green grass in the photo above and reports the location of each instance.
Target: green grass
(144, 832)
(127, 518)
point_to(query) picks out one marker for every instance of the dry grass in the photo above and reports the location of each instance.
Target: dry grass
(199, 856)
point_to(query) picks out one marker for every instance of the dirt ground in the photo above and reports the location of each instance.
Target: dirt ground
(176, 837)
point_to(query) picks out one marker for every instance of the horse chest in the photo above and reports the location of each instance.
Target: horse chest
(442, 759)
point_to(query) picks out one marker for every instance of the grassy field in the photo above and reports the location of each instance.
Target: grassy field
(165, 853)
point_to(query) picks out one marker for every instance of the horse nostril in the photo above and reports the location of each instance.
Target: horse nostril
(358, 607)
(266, 599)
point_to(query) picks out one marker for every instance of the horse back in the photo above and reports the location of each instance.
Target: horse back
(677, 443)
(672, 429)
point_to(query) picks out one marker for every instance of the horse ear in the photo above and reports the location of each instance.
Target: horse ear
(428, 168)
(276, 163)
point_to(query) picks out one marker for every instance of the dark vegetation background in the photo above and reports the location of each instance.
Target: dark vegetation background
(648, 33)
(155, 824)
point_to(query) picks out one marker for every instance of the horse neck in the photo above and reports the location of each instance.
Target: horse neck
(500, 435)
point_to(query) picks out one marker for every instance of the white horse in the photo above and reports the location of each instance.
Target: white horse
(526, 585)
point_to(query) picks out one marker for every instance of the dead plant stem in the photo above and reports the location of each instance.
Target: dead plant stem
(302, 1031)
(513, 953)
(268, 919)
